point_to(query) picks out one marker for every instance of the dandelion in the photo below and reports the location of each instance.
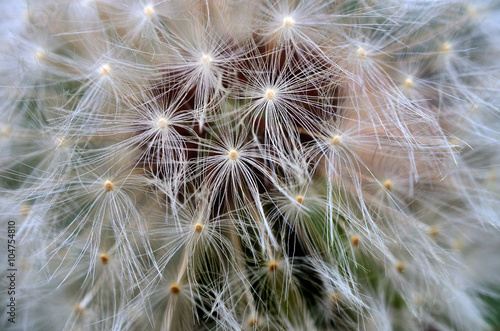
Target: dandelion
(250, 165)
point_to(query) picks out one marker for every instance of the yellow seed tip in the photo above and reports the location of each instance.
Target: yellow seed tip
(336, 140)
(40, 54)
(273, 266)
(79, 310)
(335, 297)
(175, 289)
(361, 52)
(105, 69)
(253, 322)
(388, 185)
(409, 82)
(270, 94)
(433, 231)
(149, 11)
(355, 240)
(198, 227)
(162, 123)
(233, 154)
(5, 130)
(288, 21)
(104, 258)
(446, 47)
(206, 60)
(108, 185)
(300, 199)
(400, 267)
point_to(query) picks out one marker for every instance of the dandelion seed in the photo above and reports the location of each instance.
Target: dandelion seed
(446, 47)
(181, 139)
(458, 244)
(361, 52)
(198, 227)
(149, 11)
(335, 297)
(60, 141)
(288, 21)
(5, 131)
(270, 94)
(388, 185)
(336, 140)
(409, 82)
(206, 60)
(400, 267)
(162, 123)
(108, 185)
(105, 69)
(79, 310)
(40, 54)
(25, 210)
(175, 289)
(104, 258)
(253, 322)
(233, 155)
(472, 12)
(433, 231)
(355, 241)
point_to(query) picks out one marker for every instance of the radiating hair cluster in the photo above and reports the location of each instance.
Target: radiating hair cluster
(251, 165)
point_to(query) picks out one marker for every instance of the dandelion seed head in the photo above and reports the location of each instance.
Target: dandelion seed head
(185, 135)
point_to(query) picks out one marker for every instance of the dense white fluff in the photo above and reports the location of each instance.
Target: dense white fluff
(251, 165)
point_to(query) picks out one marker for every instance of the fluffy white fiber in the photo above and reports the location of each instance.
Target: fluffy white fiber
(250, 165)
